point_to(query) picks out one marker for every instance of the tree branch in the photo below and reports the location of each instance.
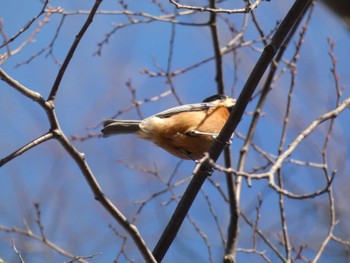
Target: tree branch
(26, 26)
(202, 170)
(247, 9)
(35, 96)
(78, 157)
(27, 147)
(72, 50)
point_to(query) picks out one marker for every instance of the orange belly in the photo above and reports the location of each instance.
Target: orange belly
(173, 134)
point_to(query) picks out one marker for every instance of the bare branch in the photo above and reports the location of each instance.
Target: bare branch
(330, 115)
(263, 237)
(29, 233)
(332, 219)
(216, 45)
(48, 48)
(27, 147)
(79, 158)
(341, 241)
(38, 220)
(26, 26)
(254, 251)
(72, 51)
(17, 252)
(234, 50)
(202, 170)
(170, 60)
(247, 9)
(286, 238)
(22, 89)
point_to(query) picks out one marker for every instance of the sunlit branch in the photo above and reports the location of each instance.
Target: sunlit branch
(27, 147)
(26, 26)
(246, 9)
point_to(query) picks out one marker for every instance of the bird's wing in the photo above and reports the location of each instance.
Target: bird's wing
(185, 108)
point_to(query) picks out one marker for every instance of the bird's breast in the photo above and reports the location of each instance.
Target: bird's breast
(174, 133)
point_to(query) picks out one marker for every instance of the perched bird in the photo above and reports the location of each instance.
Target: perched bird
(186, 131)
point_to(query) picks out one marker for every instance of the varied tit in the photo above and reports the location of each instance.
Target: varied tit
(186, 131)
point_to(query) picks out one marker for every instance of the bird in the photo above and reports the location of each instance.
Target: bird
(187, 131)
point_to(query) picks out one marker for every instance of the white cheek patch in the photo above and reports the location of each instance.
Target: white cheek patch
(149, 127)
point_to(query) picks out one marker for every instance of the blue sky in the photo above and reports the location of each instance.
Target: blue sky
(94, 89)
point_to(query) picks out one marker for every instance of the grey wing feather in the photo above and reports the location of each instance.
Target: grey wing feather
(185, 108)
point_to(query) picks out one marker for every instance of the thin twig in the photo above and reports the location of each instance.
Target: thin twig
(48, 47)
(71, 51)
(247, 9)
(169, 64)
(29, 233)
(26, 26)
(332, 219)
(296, 56)
(215, 217)
(35, 96)
(17, 252)
(38, 221)
(254, 251)
(329, 115)
(27, 147)
(77, 156)
(263, 236)
(202, 170)
(216, 45)
(341, 241)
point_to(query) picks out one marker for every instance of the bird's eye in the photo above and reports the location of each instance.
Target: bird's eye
(214, 98)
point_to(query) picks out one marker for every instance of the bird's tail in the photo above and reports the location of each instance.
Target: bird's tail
(111, 127)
